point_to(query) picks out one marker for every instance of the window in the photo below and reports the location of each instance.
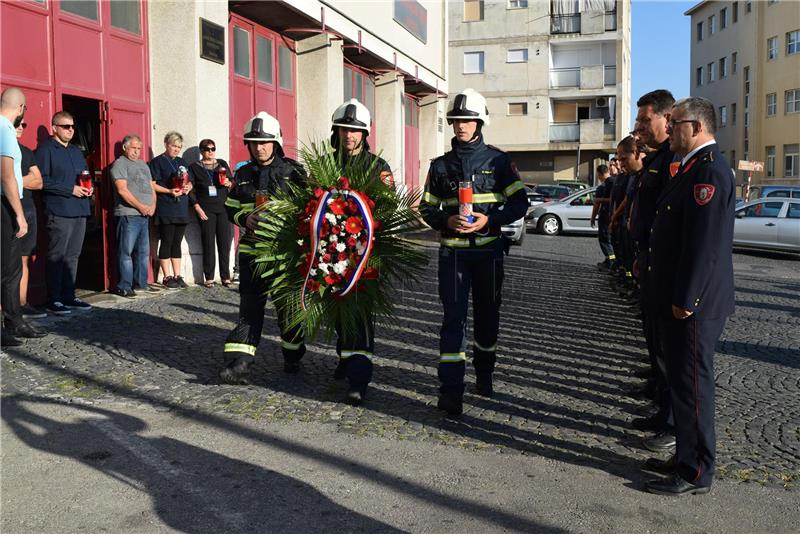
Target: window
(517, 4)
(735, 9)
(770, 161)
(791, 155)
(517, 55)
(473, 10)
(748, 7)
(264, 61)
(772, 48)
(699, 78)
(241, 52)
(700, 31)
(764, 209)
(518, 108)
(723, 18)
(792, 42)
(733, 113)
(733, 63)
(723, 116)
(473, 62)
(712, 72)
(125, 15)
(82, 8)
(285, 68)
(792, 99)
(772, 104)
(723, 67)
(712, 25)
(794, 210)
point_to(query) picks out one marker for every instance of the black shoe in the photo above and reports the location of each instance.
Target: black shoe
(675, 485)
(452, 404)
(643, 372)
(291, 367)
(9, 341)
(29, 312)
(646, 391)
(355, 396)
(56, 308)
(235, 374)
(26, 330)
(649, 424)
(181, 282)
(126, 293)
(170, 282)
(663, 441)
(657, 465)
(483, 385)
(340, 373)
(78, 304)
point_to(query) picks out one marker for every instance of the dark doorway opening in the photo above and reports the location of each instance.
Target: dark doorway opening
(89, 138)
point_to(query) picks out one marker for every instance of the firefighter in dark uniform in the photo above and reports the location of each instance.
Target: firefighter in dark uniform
(601, 211)
(267, 172)
(630, 159)
(692, 291)
(653, 116)
(471, 253)
(350, 126)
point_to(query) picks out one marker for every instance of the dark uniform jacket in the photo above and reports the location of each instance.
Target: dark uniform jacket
(496, 191)
(654, 177)
(691, 258)
(60, 166)
(253, 177)
(604, 191)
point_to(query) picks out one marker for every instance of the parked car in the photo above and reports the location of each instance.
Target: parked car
(574, 185)
(516, 230)
(768, 223)
(779, 191)
(552, 191)
(572, 213)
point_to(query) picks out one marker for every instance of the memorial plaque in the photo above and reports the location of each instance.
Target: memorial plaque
(212, 41)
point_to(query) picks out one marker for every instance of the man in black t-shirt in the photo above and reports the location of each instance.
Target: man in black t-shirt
(31, 181)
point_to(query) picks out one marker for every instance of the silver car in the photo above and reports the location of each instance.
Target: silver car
(768, 223)
(572, 213)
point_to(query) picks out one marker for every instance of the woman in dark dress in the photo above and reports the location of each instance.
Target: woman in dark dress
(212, 181)
(172, 208)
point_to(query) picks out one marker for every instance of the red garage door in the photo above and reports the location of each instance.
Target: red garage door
(262, 78)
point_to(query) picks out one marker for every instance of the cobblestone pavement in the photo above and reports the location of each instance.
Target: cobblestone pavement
(568, 348)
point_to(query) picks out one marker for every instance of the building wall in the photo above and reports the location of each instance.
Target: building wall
(747, 37)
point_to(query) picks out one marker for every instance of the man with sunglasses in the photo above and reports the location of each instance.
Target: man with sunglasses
(66, 208)
(691, 293)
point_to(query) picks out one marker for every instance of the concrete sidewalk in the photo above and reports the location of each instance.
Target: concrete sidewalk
(118, 467)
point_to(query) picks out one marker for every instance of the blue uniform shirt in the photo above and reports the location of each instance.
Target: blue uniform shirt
(60, 166)
(9, 148)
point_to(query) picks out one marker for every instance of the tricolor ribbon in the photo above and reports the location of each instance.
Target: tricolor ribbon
(316, 228)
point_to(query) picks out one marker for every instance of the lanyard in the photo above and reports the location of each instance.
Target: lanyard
(174, 168)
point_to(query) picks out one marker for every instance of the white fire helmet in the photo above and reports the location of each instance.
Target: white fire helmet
(352, 114)
(263, 127)
(468, 105)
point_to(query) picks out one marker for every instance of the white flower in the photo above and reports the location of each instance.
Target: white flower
(312, 272)
(300, 242)
(339, 267)
(360, 248)
(323, 267)
(331, 218)
(340, 247)
(333, 238)
(323, 243)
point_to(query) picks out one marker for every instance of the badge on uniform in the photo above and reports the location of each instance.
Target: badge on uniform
(212, 191)
(703, 193)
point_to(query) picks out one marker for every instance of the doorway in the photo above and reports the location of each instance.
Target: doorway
(90, 139)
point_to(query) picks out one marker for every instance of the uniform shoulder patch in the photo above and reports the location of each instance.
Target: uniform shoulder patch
(703, 193)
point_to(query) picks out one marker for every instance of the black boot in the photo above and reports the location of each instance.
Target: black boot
(235, 373)
(451, 402)
(483, 384)
(340, 373)
(355, 395)
(291, 367)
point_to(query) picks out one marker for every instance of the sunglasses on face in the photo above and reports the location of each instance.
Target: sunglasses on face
(65, 126)
(208, 149)
(23, 125)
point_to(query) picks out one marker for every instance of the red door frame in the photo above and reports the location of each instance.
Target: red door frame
(53, 25)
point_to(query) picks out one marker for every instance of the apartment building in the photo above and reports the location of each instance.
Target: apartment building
(556, 76)
(745, 57)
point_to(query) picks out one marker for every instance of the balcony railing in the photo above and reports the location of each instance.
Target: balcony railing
(611, 20)
(565, 77)
(565, 23)
(565, 132)
(610, 75)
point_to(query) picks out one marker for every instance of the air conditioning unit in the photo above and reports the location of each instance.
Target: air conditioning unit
(601, 102)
